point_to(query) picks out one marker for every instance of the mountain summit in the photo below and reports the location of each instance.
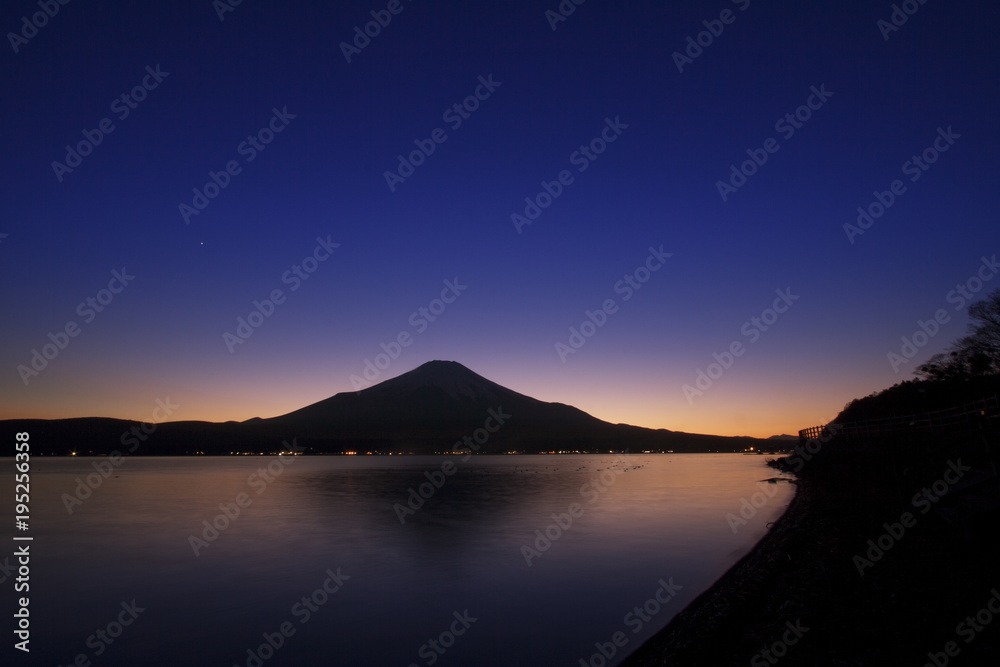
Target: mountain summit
(451, 377)
(434, 399)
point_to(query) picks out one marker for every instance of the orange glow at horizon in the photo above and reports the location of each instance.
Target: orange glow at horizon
(738, 406)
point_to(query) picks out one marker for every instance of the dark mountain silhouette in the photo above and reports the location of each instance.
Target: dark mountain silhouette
(426, 410)
(439, 395)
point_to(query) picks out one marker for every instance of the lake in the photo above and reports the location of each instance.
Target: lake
(334, 561)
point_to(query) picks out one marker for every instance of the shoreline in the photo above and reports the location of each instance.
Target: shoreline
(690, 636)
(818, 590)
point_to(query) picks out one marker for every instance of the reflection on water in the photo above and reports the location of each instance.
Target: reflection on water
(405, 569)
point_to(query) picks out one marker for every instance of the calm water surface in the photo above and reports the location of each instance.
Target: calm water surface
(654, 517)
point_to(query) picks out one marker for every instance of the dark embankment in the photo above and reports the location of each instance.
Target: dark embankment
(895, 603)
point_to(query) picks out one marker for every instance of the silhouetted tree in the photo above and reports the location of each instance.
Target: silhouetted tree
(941, 366)
(976, 354)
(984, 337)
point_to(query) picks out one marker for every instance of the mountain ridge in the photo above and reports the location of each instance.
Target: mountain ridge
(425, 410)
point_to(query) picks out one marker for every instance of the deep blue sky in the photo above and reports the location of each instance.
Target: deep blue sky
(655, 185)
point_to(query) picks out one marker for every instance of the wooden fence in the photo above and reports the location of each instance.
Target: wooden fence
(957, 419)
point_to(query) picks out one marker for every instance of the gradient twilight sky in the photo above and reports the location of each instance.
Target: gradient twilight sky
(323, 176)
